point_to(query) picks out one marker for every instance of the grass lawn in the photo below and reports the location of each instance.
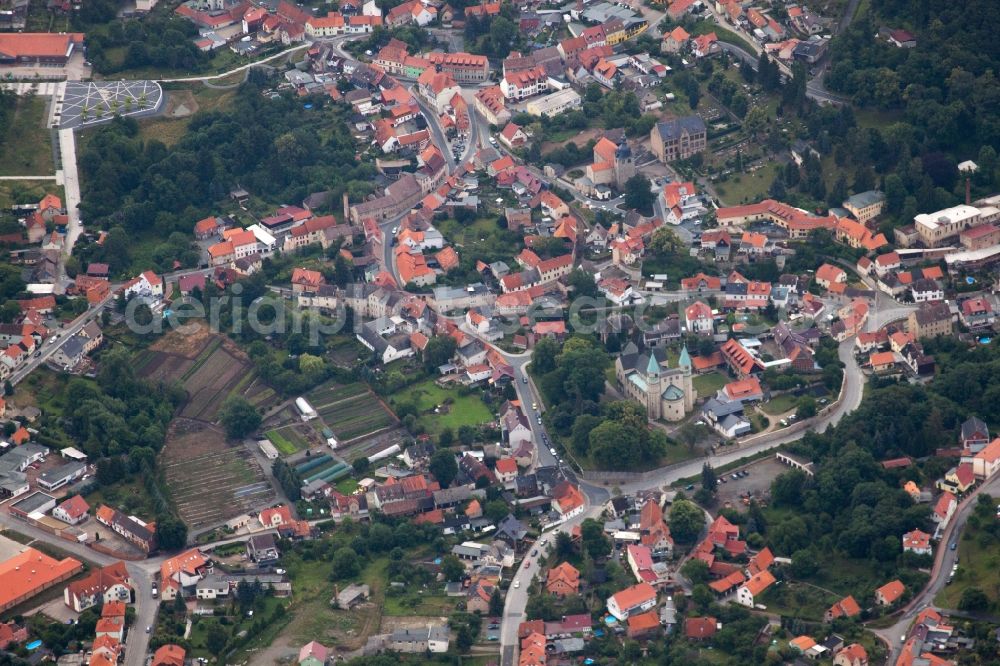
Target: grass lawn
(705, 27)
(744, 188)
(482, 239)
(798, 600)
(346, 486)
(462, 410)
(979, 566)
(707, 384)
(27, 145)
(780, 404)
(14, 192)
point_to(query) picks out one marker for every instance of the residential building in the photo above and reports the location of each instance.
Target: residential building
(976, 313)
(131, 528)
(563, 580)
(633, 600)
(930, 320)
(524, 83)
(179, 574)
(846, 607)
(852, 655)
(102, 585)
(168, 655)
(889, 593)
(490, 103)
(750, 591)
(828, 275)
(700, 628)
(917, 541)
(262, 549)
(678, 139)
(73, 511)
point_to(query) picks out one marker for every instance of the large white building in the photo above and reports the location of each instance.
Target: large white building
(555, 103)
(943, 226)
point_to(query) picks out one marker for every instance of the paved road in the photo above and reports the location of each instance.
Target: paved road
(944, 558)
(71, 183)
(52, 344)
(241, 68)
(517, 594)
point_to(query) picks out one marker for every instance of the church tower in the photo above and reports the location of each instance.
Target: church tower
(653, 390)
(624, 164)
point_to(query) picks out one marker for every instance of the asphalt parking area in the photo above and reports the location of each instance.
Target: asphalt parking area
(757, 484)
(87, 103)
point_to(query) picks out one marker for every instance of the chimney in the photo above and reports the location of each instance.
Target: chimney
(347, 210)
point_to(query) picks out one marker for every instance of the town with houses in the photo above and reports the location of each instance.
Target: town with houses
(585, 393)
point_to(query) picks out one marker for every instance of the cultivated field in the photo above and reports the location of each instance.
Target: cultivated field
(210, 368)
(351, 411)
(211, 480)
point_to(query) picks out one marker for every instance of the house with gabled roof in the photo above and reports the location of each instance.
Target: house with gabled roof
(846, 607)
(889, 593)
(750, 591)
(563, 580)
(101, 586)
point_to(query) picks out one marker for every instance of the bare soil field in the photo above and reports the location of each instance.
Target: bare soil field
(209, 366)
(579, 139)
(210, 479)
(188, 345)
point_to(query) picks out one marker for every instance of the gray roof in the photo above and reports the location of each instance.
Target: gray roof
(34, 502)
(74, 347)
(63, 471)
(863, 199)
(564, 645)
(673, 129)
(721, 409)
(451, 495)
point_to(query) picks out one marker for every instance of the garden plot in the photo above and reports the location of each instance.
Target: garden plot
(327, 394)
(210, 480)
(356, 417)
(209, 367)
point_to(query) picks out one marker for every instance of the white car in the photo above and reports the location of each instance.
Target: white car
(552, 450)
(517, 584)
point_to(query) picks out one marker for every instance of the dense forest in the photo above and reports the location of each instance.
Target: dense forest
(941, 100)
(274, 147)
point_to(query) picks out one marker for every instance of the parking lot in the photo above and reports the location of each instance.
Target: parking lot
(732, 492)
(88, 103)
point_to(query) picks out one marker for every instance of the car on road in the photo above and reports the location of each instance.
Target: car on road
(524, 380)
(539, 420)
(149, 628)
(534, 553)
(534, 406)
(517, 584)
(552, 450)
(689, 486)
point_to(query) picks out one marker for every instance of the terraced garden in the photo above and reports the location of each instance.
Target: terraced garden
(210, 480)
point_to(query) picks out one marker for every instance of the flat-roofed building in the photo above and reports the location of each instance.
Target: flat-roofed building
(555, 103)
